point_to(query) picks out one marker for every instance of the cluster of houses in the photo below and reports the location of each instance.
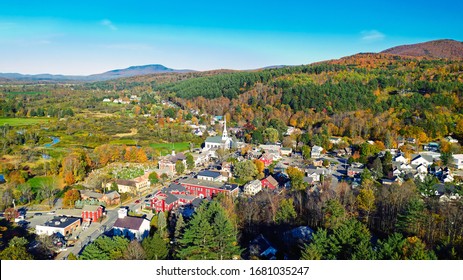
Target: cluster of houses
(123, 100)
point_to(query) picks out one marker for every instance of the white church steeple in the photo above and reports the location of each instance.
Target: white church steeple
(224, 133)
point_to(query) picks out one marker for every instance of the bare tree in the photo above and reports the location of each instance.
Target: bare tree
(48, 190)
(134, 251)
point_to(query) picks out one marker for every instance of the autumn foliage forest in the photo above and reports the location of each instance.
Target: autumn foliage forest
(378, 97)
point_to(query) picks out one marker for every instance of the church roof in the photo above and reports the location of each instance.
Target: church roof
(214, 139)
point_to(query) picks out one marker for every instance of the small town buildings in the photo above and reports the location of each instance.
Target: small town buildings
(171, 197)
(286, 152)
(261, 248)
(450, 139)
(267, 159)
(92, 213)
(316, 152)
(167, 164)
(335, 140)
(419, 159)
(63, 225)
(458, 161)
(110, 198)
(130, 227)
(353, 171)
(432, 146)
(203, 188)
(252, 188)
(400, 158)
(269, 183)
(209, 175)
(219, 142)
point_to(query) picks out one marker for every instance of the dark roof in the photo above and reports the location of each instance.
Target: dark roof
(170, 198)
(208, 184)
(179, 156)
(129, 222)
(209, 173)
(123, 182)
(174, 187)
(61, 221)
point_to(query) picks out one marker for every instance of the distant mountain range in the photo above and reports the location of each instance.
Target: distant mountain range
(113, 74)
(447, 49)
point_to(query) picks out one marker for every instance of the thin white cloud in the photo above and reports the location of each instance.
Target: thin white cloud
(372, 35)
(109, 24)
(130, 47)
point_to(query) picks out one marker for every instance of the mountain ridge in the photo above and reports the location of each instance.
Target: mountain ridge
(442, 49)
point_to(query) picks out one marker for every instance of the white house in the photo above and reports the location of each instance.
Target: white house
(335, 140)
(458, 161)
(400, 158)
(132, 227)
(253, 187)
(316, 152)
(422, 169)
(418, 160)
(450, 139)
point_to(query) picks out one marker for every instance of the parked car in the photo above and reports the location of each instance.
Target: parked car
(148, 196)
(137, 201)
(38, 214)
(51, 213)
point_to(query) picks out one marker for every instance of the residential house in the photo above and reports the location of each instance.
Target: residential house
(92, 213)
(131, 227)
(261, 248)
(400, 158)
(167, 164)
(393, 180)
(419, 159)
(252, 188)
(335, 140)
(316, 152)
(450, 139)
(353, 171)
(269, 183)
(110, 198)
(432, 146)
(63, 225)
(136, 186)
(458, 161)
(267, 159)
(286, 152)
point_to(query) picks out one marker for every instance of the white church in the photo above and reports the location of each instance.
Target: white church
(219, 142)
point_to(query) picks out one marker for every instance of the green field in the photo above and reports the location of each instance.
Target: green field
(166, 148)
(22, 121)
(39, 181)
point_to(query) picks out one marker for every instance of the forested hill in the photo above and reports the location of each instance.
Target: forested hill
(449, 49)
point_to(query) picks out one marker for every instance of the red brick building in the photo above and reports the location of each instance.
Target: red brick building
(92, 213)
(203, 189)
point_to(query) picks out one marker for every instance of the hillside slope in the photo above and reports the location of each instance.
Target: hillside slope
(449, 49)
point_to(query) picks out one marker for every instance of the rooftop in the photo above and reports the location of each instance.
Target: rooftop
(123, 182)
(129, 222)
(61, 221)
(209, 173)
(209, 184)
(91, 208)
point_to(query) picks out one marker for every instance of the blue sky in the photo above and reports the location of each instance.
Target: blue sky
(87, 37)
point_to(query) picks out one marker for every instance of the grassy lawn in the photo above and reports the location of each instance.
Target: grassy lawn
(123, 142)
(38, 181)
(166, 148)
(22, 121)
